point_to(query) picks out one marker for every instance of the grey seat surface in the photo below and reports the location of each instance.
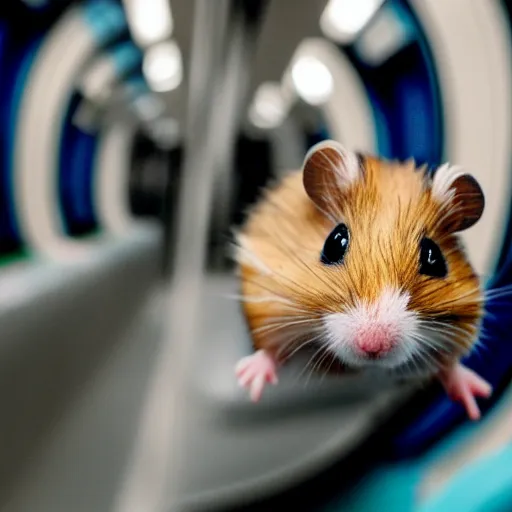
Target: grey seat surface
(58, 322)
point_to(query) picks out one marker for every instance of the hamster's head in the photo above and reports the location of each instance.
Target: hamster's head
(396, 287)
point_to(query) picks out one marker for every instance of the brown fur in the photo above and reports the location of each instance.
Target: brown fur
(287, 289)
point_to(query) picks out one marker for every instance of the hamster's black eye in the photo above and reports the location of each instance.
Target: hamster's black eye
(335, 246)
(432, 262)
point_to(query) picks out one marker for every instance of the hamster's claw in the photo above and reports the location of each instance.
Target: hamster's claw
(463, 385)
(255, 371)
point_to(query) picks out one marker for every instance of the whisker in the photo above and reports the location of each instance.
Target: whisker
(259, 298)
(446, 339)
(421, 356)
(262, 299)
(444, 342)
(425, 341)
(293, 285)
(457, 300)
(431, 324)
(307, 366)
(258, 283)
(300, 345)
(320, 353)
(495, 293)
(425, 359)
(322, 360)
(281, 325)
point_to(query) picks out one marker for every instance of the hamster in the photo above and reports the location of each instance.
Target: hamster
(360, 258)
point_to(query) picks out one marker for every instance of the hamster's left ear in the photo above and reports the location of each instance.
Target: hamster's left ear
(460, 195)
(328, 170)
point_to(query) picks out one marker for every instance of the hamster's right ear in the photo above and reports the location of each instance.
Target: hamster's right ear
(460, 195)
(329, 168)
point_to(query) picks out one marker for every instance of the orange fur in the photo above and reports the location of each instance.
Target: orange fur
(287, 290)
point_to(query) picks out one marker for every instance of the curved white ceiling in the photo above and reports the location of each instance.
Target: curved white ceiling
(111, 177)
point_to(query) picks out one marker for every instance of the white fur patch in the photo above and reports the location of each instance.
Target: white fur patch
(346, 168)
(443, 180)
(245, 255)
(389, 311)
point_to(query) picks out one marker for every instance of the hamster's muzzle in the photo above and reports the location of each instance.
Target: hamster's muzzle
(380, 330)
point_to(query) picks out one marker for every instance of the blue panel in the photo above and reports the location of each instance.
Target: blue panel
(396, 487)
(15, 74)
(414, 116)
(484, 486)
(82, 179)
(428, 62)
(126, 56)
(7, 235)
(66, 154)
(77, 150)
(106, 19)
(382, 131)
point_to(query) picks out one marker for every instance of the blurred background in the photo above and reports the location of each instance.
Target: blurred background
(134, 135)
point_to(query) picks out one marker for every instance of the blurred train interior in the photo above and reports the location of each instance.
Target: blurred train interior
(134, 136)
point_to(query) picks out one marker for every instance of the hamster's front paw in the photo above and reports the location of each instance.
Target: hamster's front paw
(254, 371)
(463, 385)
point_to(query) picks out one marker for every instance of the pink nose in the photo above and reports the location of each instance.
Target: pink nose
(375, 342)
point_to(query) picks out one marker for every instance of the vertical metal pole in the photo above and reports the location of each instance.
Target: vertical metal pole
(239, 59)
(193, 218)
(152, 483)
(193, 212)
(233, 95)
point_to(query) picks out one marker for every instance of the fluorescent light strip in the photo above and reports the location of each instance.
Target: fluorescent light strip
(312, 79)
(343, 20)
(385, 37)
(148, 107)
(162, 66)
(270, 106)
(150, 22)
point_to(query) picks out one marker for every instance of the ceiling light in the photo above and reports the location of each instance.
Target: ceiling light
(312, 80)
(148, 107)
(386, 36)
(162, 66)
(150, 20)
(342, 20)
(269, 107)
(165, 131)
